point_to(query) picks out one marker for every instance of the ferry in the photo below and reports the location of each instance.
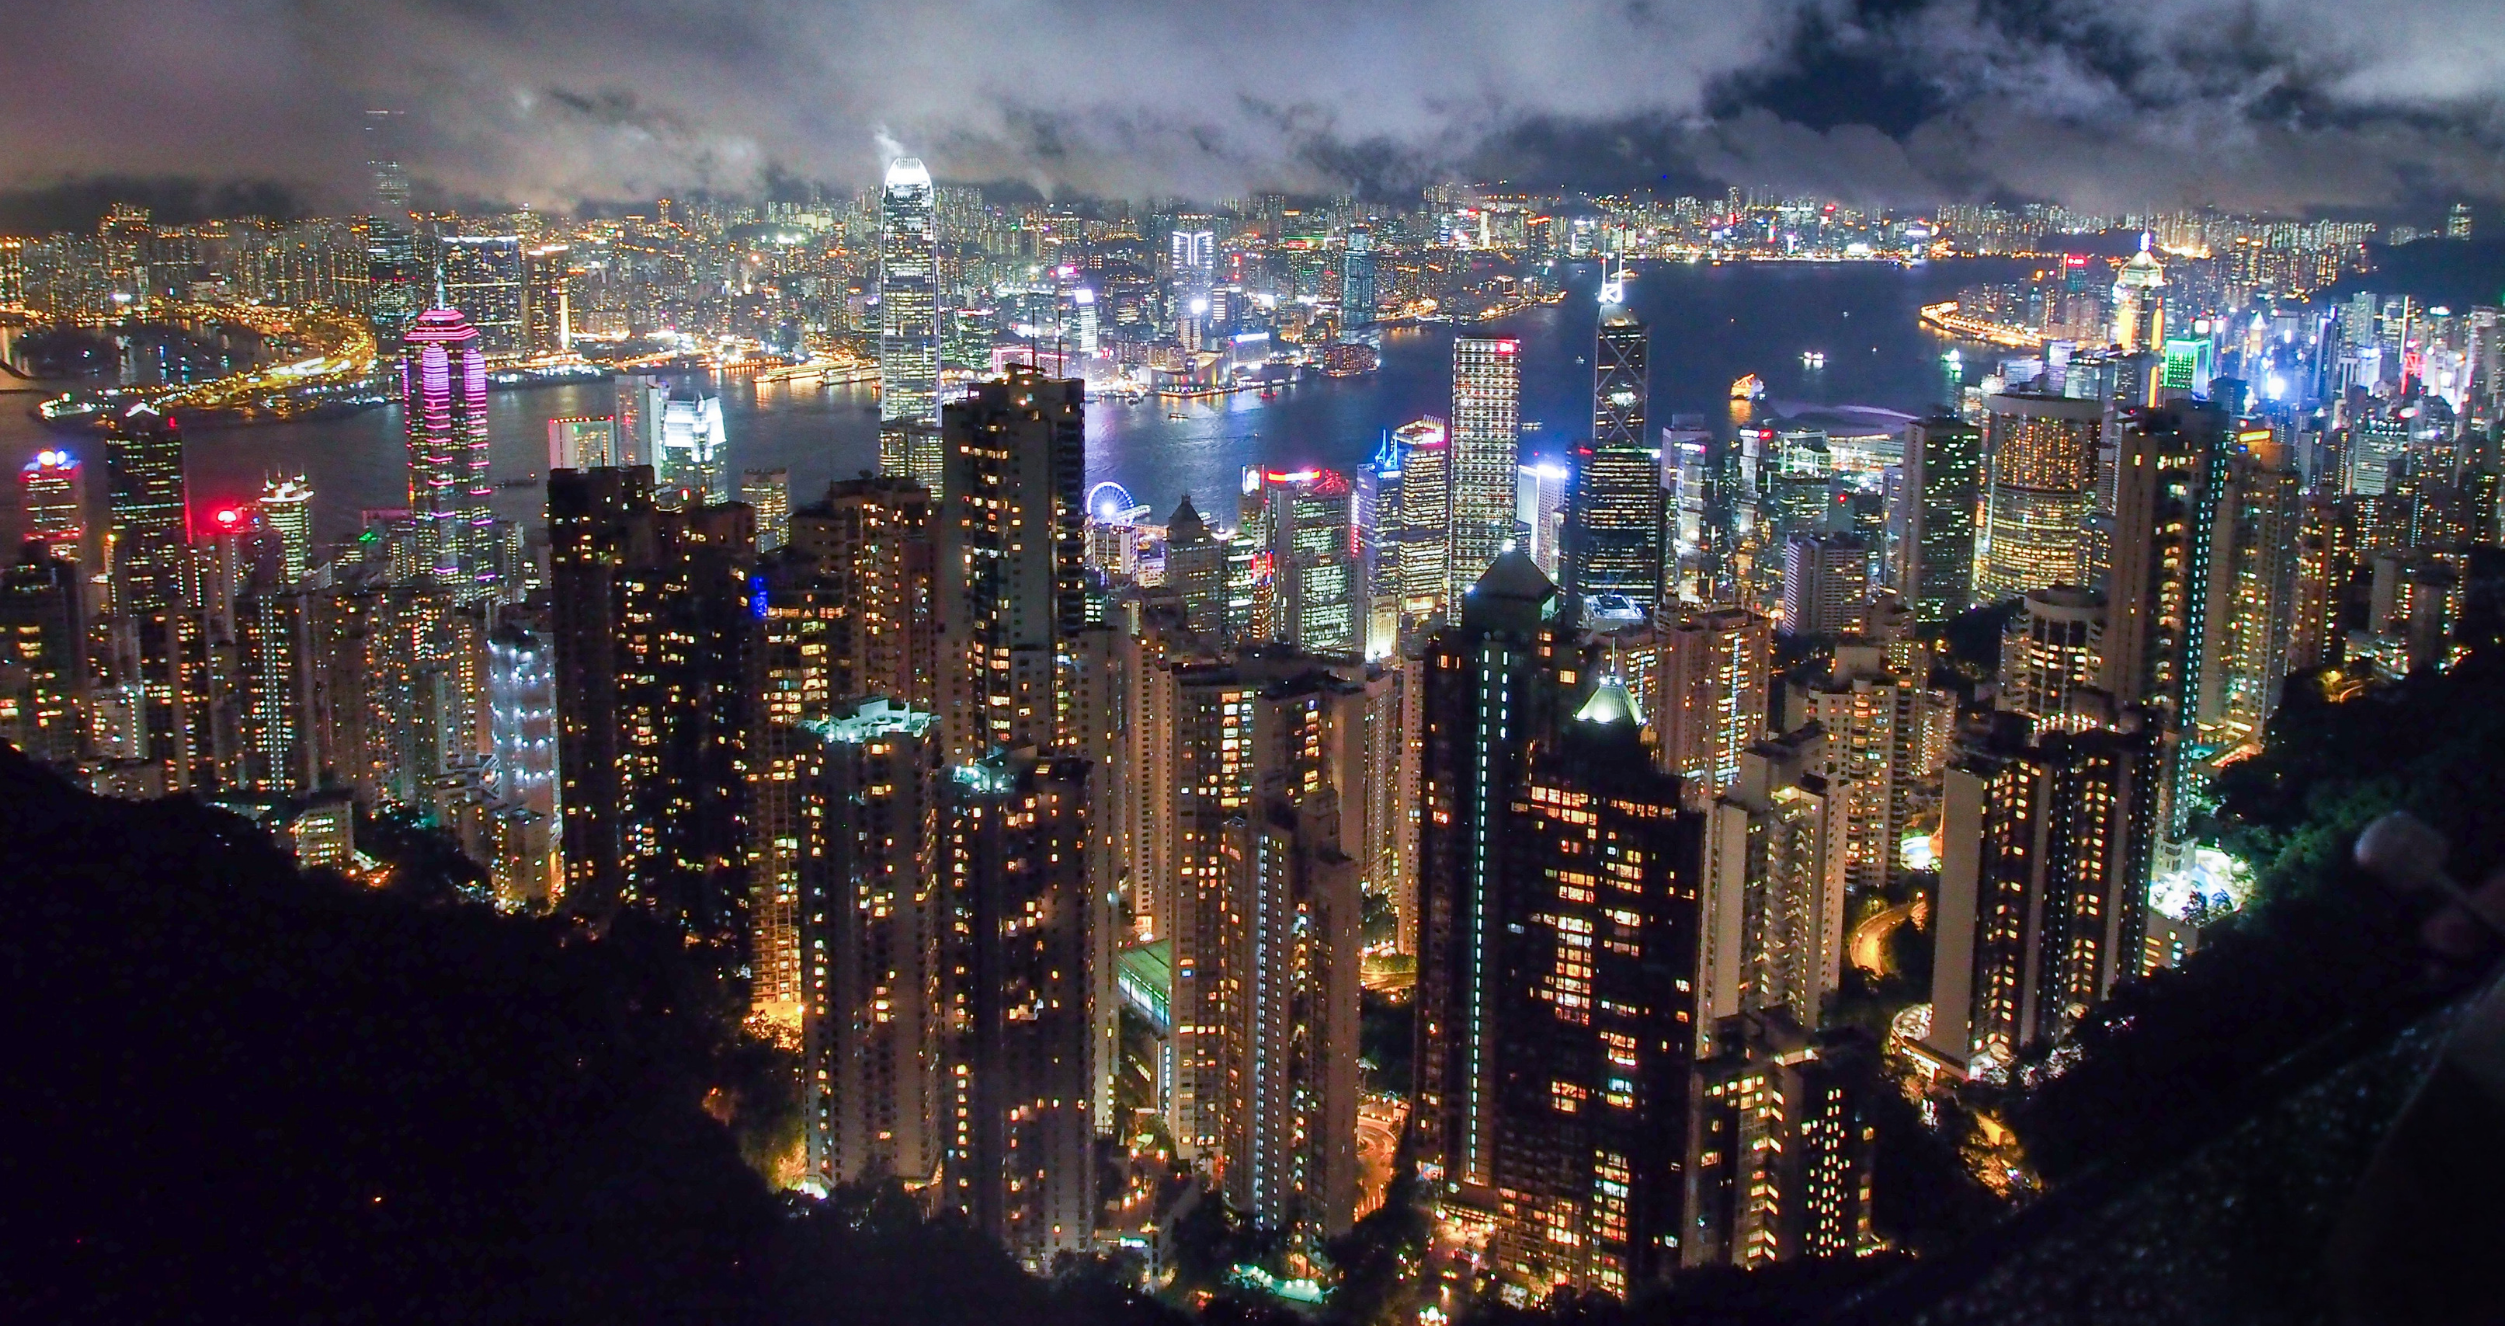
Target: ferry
(1176, 414)
(1813, 359)
(1749, 388)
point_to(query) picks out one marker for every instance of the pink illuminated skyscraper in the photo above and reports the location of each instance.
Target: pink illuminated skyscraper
(443, 382)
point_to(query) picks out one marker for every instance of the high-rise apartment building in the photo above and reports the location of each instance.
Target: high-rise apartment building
(1024, 934)
(1782, 1148)
(1558, 939)
(2052, 662)
(2047, 848)
(1935, 540)
(908, 291)
(1712, 700)
(2042, 454)
(654, 630)
(869, 910)
(2254, 573)
(443, 388)
(1485, 452)
(1775, 861)
(2169, 488)
(1826, 584)
(1012, 563)
(1885, 733)
(1618, 541)
(769, 494)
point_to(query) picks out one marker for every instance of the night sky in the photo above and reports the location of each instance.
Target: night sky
(208, 105)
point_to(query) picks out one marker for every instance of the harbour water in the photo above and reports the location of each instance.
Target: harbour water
(1710, 324)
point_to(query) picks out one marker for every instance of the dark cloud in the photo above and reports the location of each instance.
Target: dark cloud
(2100, 103)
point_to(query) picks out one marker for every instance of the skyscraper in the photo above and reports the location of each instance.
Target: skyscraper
(1826, 584)
(482, 276)
(1357, 290)
(2043, 452)
(2169, 481)
(2139, 296)
(53, 488)
(443, 385)
(2043, 893)
(287, 507)
(158, 650)
(1013, 542)
(689, 461)
(1619, 540)
(1935, 544)
(870, 904)
(1025, 934)
(522, 722)
(654, 631)
(1486, 448)
(396, 289)
(43, 657)
(1196, 568)
(769, 494)
(2055, 659)
(1775, 860)
(547, 299)
(908, 291)
(1426, 505)
(1558, 939)
(1711, 704)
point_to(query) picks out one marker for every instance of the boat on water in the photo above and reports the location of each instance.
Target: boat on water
(1749, 388)
(1176, 414)
(1813, 359)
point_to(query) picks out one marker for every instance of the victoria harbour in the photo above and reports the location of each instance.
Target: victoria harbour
(1713, 323)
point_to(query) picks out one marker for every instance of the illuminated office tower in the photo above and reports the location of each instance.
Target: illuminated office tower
(43, 658)
(870, 909)
(1711, 705)
(443, 385)
(1357, 290)
(2254, 572)
(2043, 893)
(53, 488)
(1542, 494)
(690, 463)
(158, 648)
(1557, 981)
(908, 295)
(547, 300)
(482, 277)
(1306, 524)
(1012, 562)
(2052, 663)
(1426, 504)
(396, 287)
(2140, 303)
(584, 443)
(1826, 584)
(1884, 731)
(1775, 858)
(1022, 928)
(642, 399)
(279, 675)
(769, 494)
(653, 629)
(1379, 504)
(1619, 544)
(1782, 1150)
(287, 508)
(1935, 539)
(1486, 450)
(1196, 568)
(2043, 465)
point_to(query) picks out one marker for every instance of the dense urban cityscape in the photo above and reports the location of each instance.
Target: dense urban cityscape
(1749, 853)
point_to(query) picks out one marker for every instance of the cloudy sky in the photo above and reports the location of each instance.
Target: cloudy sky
(2103, 104)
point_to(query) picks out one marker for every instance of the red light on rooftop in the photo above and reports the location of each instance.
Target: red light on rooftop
(229, 516)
